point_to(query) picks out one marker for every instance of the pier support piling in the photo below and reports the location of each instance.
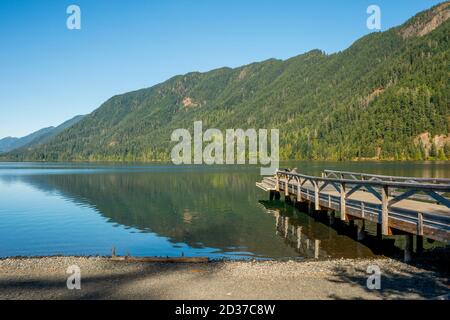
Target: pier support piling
(310, 207)
(332, 217)
(408, 248)
(361, 230)
(379, 232)
(419, 244)
(323, 214)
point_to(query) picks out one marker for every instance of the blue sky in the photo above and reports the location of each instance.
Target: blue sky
(49, 74)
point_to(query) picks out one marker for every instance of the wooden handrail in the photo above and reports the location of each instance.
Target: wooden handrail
(389, 178)
(395, 184)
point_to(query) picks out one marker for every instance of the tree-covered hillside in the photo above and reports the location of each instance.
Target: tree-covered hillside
(386, 97)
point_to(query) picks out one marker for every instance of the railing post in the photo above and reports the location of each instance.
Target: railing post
(343, 209)
(420, 223)
(362, 209)
(277, 186)
(299, 192)
(384, 210)
(316, 195)
(286, 186)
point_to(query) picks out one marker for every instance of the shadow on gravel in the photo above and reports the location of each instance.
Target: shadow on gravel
(101, 287)
(399, 284)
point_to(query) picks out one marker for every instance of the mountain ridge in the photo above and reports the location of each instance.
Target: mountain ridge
(371, 100)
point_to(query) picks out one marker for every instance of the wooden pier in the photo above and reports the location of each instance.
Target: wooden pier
(398, 205)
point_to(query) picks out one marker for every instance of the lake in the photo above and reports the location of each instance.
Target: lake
(167, 210)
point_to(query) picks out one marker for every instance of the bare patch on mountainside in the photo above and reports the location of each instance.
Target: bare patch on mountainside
(189, 103)
(243, 73)
(368, 99)
(427, 23)
(112, 143)
(427, 141)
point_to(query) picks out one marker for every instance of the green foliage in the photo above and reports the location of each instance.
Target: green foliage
(369, 101)
(447, 150)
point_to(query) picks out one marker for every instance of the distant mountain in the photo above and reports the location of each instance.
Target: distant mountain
(11, 143)
(386, 97)
(36, 138)
(7, 144)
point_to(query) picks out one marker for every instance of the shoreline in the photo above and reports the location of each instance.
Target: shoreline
(103, 278)
(3, 160)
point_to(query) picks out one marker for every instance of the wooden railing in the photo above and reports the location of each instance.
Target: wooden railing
(393, 191)
(377, 177)
(381, 188)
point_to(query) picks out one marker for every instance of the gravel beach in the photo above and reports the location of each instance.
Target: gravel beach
(101, 278)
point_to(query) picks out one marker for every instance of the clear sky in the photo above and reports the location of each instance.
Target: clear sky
(49, 73)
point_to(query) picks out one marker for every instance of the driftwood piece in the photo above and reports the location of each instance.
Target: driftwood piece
(162, 259)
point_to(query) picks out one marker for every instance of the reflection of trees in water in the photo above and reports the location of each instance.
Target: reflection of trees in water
(211, 209)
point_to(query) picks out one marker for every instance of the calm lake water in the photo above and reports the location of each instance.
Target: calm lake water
(166, 210)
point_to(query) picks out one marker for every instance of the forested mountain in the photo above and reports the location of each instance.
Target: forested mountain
(385, 97)
(36, 138)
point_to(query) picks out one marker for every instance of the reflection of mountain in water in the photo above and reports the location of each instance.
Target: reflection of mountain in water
(218, 210)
